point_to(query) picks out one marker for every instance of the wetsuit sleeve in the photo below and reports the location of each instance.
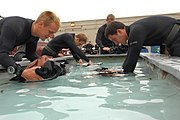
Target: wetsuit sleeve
(76, 57)
(136, 39)
(99, 37)
(31, 49)
(7, 42)
(76, 52)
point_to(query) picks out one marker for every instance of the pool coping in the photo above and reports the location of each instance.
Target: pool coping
(26, 62)
(166, 63)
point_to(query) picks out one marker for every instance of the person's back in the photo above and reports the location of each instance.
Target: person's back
(57, 44)
(148, 31)
(155, 28)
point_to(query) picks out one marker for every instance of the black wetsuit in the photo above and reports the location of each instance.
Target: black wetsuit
(16, 31)
(149, 31)
(102, 41)
(65, 40)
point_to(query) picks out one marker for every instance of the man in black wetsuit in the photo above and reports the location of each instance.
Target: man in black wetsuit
(67, 40)
(15, 31)
(154, 30)
(103, 42)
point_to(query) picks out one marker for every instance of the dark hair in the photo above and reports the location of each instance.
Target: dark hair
(111, 17)
(112, 27)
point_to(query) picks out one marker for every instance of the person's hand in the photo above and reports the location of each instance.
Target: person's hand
(43, 59)
(80, 62)
(30, 75)
(60, 54)
(90, 62)
(106, 48)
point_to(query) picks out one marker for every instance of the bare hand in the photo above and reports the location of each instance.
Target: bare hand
(106, 48)
(90, 62)
(80, 61)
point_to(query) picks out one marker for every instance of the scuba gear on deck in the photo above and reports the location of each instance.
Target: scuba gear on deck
(118, 50)
(15, 69)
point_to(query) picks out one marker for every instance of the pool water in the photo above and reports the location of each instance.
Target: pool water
(83, 95)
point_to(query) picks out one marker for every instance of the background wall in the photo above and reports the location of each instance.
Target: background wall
(90, 27)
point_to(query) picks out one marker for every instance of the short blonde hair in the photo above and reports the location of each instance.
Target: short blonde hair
(48, 17)
(82, 38)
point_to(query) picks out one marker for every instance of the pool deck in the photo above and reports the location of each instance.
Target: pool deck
(168, 64)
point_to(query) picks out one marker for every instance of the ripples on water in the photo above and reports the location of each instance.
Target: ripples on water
(83, 95)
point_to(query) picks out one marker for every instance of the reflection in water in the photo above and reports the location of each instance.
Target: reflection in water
(84, 95)
(132, 101)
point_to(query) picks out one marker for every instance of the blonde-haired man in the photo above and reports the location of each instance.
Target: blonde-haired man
(46, 25)
(15, 31)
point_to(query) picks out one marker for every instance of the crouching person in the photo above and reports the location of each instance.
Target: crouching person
(42, 69)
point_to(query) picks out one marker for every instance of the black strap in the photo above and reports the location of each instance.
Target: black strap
(172, 34)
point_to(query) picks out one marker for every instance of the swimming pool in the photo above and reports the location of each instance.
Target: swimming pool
(83, 95)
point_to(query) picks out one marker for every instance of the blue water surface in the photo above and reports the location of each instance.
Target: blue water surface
(82, 94)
